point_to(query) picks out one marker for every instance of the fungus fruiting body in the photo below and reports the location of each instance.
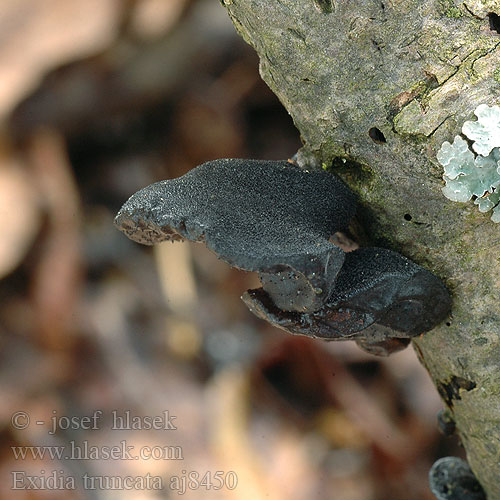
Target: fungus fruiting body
(475, 172)
(275, 218)
(265, 216)
(375, 287)
(451, 478)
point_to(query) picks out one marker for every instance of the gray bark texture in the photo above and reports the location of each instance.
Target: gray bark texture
(415, 70)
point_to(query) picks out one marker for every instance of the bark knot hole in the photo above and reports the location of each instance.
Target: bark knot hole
(377, 136)
(494, 20)
(325, 6)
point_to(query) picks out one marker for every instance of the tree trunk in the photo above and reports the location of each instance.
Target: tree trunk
(378, 86)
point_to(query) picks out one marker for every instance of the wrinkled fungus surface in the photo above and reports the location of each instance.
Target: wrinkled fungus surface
(277, 219)
(265, 216)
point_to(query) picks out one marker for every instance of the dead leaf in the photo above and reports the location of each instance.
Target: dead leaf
(37, 35)
(19, 213)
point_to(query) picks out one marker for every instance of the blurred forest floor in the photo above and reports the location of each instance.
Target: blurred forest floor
(99, 98)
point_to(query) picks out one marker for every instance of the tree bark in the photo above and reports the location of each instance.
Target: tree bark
(353, 74)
